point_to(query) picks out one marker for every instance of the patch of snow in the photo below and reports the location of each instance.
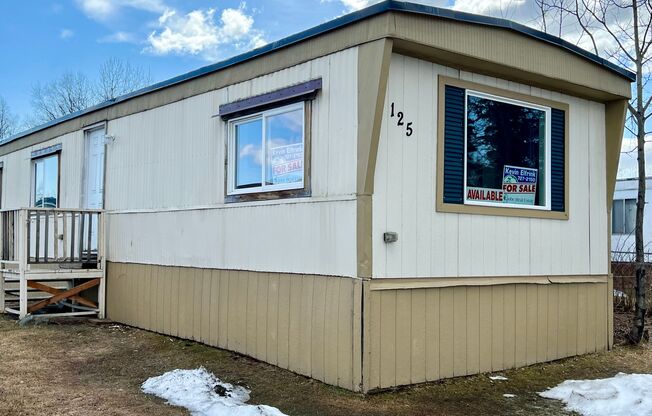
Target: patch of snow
(498, 378)
(624, 394)
(203, 394)
(509, 396)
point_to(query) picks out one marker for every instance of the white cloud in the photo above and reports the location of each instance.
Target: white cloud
(119, 37)
(105, 9)
(352, 5)
(198, 33)
(66, 34)
(500, 7)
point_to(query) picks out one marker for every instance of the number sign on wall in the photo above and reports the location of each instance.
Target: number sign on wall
(400, 122)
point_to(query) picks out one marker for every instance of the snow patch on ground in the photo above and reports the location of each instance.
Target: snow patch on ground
(498, 378)
(203, 394)
(624, 394)
(509, 396)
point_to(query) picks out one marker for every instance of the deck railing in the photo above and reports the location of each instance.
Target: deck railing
(52, 236)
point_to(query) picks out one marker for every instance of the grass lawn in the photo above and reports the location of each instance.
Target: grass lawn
(80, 368)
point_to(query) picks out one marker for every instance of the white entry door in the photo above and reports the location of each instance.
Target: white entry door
(93, 197)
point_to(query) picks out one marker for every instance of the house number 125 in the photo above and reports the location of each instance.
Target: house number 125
(400, 122)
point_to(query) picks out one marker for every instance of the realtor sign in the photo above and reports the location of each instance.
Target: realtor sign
(519, 187)
(287, 163)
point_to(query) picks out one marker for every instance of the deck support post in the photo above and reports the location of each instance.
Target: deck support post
(22, 261)
(2, 291)
(101, 253)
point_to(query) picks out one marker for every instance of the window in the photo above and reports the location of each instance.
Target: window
(507, 151)
(500, 152)
(267, 151)
(623, 216)
(46, 181)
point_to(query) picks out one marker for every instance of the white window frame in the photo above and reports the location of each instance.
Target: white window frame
(33, 181)
(231, 147)
(547, 179)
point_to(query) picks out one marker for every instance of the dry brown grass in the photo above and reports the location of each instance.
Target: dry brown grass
(84, 369)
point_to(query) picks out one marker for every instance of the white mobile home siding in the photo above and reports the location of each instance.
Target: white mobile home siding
(164, 189)
(437, 244)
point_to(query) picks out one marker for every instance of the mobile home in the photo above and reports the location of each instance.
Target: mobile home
(400, 195)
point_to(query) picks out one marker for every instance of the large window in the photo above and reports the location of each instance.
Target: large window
(46, 181)
(507, 152)
(623, 216)
(266, 151)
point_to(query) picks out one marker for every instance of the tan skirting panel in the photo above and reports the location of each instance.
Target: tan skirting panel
(303, 323)
(426, 334)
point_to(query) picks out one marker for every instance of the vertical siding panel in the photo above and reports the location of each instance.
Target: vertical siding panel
(418, 335)
(562, 322)
(305, 325)
(473, 330)
(388, 338)
(432, 334)
(582, 319)
(284, 320)
(224, 308)
(446, 333)
(139, 274)
(509, 326)
(532, 310)
(497, 325)
(146, 297)
(251, 314)
(591, 316)
(167, 299)
(272, 318)
(207, 290)
(485, 328)
(261, 316)
(196, 306)
(296, 343)
(186, 293)
(318, 318)
(175, 290)
(232, 339)
(375, 321)
(154, 298)
(603, 318)
(459, 331)
(214, 308)
(542, 322)
(403, 336)
(553, 322)
(350, 293)
(331, 332)
(520, 330)
(573, 322)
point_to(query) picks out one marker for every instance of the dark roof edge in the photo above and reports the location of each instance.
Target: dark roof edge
(385, 6)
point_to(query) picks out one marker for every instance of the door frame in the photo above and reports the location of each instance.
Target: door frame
(103, 125)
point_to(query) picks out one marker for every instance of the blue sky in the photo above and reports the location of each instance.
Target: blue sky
(41, 40)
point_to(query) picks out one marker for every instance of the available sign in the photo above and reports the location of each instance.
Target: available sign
(287, 163)
(519, 185)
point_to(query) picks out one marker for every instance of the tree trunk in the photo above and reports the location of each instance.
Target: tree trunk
(638, 328)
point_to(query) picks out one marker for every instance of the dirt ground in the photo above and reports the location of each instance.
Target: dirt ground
(88, 369)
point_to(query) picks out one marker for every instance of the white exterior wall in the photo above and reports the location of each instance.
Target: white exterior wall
(18, 173)
(164, 185)
(438, 244)
(625, 243)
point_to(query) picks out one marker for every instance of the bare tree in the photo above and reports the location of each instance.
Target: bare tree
(74, 91)
(627, 27)
(118, 77)
(68, 94)
(7, 120)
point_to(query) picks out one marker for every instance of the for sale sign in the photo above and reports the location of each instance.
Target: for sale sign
(519, 185)
(287, 163)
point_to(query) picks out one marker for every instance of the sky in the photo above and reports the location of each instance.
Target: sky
(41, 40)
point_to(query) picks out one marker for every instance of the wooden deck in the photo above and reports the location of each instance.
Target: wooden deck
(52, 262)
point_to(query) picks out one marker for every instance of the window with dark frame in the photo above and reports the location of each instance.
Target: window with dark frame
(623, 216)
(46, 181)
